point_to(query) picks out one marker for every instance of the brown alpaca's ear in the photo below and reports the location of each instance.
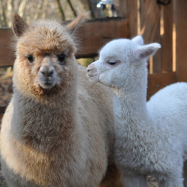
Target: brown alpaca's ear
(73, 25)
(19, 26)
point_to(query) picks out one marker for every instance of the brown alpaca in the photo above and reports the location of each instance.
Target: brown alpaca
(58, 128)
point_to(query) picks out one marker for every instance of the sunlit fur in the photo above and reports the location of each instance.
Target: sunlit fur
(60, 136)
(150, 136)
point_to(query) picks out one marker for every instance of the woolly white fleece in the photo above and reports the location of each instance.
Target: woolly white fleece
(150, 136)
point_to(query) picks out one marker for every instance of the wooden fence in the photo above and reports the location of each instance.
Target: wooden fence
(166, 25)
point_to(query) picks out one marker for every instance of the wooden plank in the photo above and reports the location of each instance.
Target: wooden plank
(144, 4)
(158, 81)
(6, 53)
(157, 57)
(93, 34)
(133, 16)
(151, 22)
(97, 33)
(180, 17)
(167, 38)
(123, 10)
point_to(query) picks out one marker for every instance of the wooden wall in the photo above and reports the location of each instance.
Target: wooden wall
(94, 34)
(156, 23)
(180, 23)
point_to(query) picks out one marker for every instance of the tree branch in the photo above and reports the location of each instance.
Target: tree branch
(71, 6)
(4, 14)
(60, 9)
(91, 9)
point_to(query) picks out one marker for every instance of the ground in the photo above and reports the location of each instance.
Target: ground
(151, 181)
(2, 181)
(5, 88)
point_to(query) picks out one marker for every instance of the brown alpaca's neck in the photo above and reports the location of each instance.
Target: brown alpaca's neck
(45, 125)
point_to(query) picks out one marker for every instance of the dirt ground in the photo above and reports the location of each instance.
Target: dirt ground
(151, 182)
(5, 90)
(2, 180)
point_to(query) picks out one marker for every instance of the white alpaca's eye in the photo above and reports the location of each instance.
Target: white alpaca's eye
(111, 62)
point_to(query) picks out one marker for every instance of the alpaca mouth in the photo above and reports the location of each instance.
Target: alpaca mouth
(92, 74)
(47, 84)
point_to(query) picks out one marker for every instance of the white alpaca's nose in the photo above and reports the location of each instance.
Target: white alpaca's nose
(91, 73)
(90, 68)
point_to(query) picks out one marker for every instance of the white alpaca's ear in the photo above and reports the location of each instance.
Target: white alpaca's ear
(146, 51)
(138, 39)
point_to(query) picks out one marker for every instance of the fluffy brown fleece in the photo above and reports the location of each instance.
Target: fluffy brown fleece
(61, 136)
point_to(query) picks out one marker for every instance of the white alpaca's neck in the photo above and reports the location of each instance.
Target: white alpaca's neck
(130, 108)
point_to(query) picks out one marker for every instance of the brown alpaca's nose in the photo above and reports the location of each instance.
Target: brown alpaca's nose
(47, 71)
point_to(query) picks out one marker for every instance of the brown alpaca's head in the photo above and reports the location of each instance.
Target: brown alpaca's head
(45, 62)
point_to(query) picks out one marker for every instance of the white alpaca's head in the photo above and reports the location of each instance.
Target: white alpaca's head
(119, 60)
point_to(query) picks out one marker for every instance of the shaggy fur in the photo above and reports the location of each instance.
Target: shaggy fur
(150, 137)
(58, 128)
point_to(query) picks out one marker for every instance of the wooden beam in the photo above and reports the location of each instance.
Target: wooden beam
(144, 4)
(180, 17)
(157, 58)
(97, 33)
(123, 10)
(7, 56)
(167, 53)
(152, 19)
(133, 17)
(93, 35)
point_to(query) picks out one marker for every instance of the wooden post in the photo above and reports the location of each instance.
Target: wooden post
(157, 56)
(152, 20)
(167, 53)
(133, 16)
(123, 8)
(130, 8)
(180, 17)
(7, 56)
(144, 4)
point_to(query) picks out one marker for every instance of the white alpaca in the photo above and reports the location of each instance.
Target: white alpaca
(150, 136)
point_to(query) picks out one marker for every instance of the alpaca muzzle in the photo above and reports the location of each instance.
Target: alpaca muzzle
(91, 73)
(47, 76)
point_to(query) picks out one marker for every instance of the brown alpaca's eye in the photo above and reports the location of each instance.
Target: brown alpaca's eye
(30, 58)
(61, 58)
